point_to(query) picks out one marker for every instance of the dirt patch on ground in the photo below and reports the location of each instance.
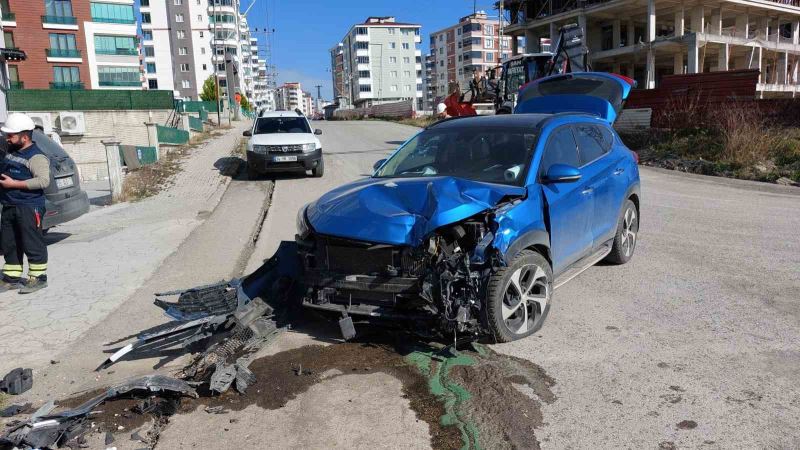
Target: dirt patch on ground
(467, 398)
(506, 398)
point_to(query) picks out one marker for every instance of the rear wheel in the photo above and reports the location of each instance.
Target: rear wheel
(320, 169)
(518, 297)
(627, 232)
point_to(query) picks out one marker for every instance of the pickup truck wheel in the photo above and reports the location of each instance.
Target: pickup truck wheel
(518, 297)
(319, 170)
(627, 232)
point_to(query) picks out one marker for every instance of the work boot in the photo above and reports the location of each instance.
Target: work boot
(34, 284)
(7, 284)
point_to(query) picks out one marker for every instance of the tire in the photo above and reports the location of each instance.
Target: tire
(319, 170)
(511, 317)
(625, 239)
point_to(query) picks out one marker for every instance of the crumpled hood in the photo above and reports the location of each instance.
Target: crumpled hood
(402, 211)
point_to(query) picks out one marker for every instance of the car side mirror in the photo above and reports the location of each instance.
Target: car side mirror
(247, 133)
(318, 132)
(562, 173)
(378, 164)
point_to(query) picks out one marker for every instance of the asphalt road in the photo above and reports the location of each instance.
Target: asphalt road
(701, 328)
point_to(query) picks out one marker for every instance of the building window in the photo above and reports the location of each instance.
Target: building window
(406, 60)
(147, 35)
(180, 34)
(183, 51)
(144, 3)
(393, 59)
(441, 36)
(152, 84)
(56, 8)
(364, 88)
(63, 46)
(146, 18)
(66, 76)
(459, 58)
(112, 13)
(391, 30)
(363, 74)
(205, 67)
(115, 45)
(441, 63)
(185, 84)
(488, 29)
(179, 18)
(178, 2)
(392, 45)
(419, 87)
(119, 76)
(151, 67)
(199, 17)
(488, 43)
(407, 88)
(441, 50)
(504, 43)
(459, 31)
(459, 44)
(202, 50)
(460, 71)
(393, 73)
(393, 88)
(201, 34)
(406, 46)
(184, 67)
(361, 30)
(149, 51)
(407, 73)
(221, 67)
(362, 45)
(489, 56)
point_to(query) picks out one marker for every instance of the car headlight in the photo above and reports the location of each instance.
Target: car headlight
(260, 149)
(303, 228)
(309, 147)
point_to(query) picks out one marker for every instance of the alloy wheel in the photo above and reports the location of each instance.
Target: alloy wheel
(525, 298)
(630, 226)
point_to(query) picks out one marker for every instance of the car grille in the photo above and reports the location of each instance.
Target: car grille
(348, 257)
(284, 148)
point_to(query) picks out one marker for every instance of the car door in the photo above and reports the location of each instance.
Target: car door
(597, 166)
(569, 205)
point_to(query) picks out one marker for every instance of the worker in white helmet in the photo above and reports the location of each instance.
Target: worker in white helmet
(24, 176)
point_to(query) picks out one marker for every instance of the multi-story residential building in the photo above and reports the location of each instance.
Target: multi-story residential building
(380, 63)
(428, 83)
(472, 45)
(307, 105)
(650, 39)
(73, 44)
(185, 42)
(289, 97)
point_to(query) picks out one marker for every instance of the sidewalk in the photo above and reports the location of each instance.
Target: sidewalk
(99, 260)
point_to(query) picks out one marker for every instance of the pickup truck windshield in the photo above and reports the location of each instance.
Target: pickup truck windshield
(270, 125)
(497, 155)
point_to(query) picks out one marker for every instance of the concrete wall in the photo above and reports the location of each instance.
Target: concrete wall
(125, 126)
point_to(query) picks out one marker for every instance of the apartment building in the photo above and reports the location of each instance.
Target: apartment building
(472, 45)
(378, 61)
(647, 40)
(72, 44)
(187, 41)
(289, 97)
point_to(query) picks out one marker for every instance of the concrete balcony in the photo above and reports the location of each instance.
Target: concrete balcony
(221, 9)
(9, 19)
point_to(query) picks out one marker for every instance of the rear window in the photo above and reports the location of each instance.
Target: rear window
(590, 142)
(271, 125)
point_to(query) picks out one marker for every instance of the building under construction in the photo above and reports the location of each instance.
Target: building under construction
(647, 39)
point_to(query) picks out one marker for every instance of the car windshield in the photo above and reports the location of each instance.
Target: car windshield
(496, 155)
(270, 125)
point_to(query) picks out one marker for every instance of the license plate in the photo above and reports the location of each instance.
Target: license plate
(63, 183)
(285, 158)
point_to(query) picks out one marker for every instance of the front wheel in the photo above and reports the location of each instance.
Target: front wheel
(518, 297)
(320, 169)
(625, 239)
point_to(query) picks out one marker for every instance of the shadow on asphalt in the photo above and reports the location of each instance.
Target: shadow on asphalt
(236, 168)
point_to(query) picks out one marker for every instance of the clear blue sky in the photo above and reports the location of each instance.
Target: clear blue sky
(306, 30)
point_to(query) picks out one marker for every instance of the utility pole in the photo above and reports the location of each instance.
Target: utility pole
(500, 36)
(216, 67)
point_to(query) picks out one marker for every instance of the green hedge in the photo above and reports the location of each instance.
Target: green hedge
(169, 135)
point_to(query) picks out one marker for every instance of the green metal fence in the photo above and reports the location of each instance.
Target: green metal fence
(147, 155)
(169, 135)
(196, 106)
(87, 100)
(203, 115)
(195, 123)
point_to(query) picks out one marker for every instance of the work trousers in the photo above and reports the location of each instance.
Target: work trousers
(21, 234)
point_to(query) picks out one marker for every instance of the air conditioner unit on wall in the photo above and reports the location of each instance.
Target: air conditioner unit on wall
(43, 119)
(72, 122)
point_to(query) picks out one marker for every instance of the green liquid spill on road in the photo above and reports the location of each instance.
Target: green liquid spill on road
(436, 365)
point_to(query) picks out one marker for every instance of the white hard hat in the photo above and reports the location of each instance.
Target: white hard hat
(17, 123)
(440, 108)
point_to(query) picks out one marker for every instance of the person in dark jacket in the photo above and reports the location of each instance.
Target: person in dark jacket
(24, 175)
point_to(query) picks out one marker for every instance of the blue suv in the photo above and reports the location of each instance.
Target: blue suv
(470, 225)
